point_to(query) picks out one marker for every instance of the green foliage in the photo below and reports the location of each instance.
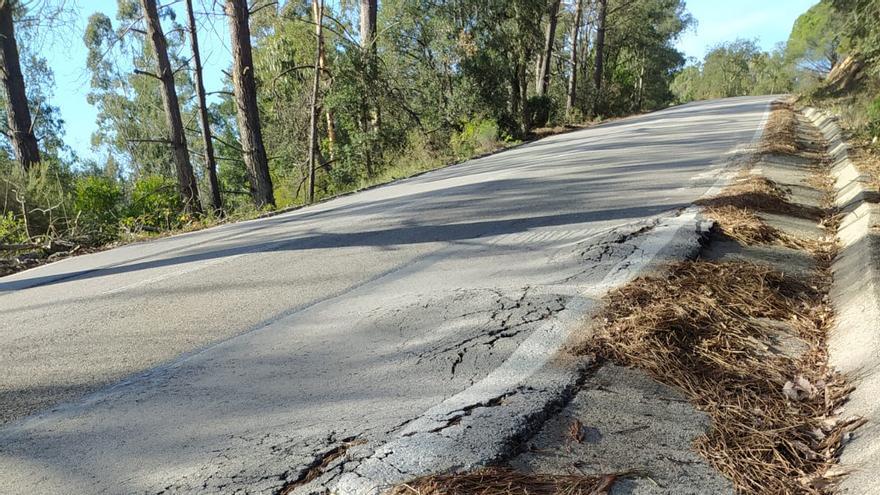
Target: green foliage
(817, 38)
(477, 136)
(131, 120)
(641, 59)
(687, 84)
(861, 25)
(738, 68)
(538, 110)
(12, 229)
(39, 198)
(154, 204)
(98, 201)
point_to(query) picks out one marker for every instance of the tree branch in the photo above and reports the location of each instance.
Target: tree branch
(163, 141)
(145, 73)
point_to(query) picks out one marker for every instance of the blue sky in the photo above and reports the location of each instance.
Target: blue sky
(768, 21)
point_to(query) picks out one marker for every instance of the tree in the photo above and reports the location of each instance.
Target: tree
(369, 113)
(816, 39)
(571, 91)
(186, 179)
(547, 54)
(21, 127)
(210, 161)
(368, 16)
(315, 110)
(526, 35)
(599, 65)
(132, 123)
(245, 90)
(861, 26)
(737, 68)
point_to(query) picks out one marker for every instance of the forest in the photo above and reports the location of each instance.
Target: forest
(327, 97)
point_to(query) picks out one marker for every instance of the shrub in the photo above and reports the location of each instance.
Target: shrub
(478, 136)
(98, 200)
(154, 204)
(12, 229)
(40, 194)
(538, 110)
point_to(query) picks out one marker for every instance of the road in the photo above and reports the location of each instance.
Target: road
(412, 325)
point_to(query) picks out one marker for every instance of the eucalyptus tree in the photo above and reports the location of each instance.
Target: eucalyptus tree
(546, 57)
(571, 89)
(19, 122)
(245, 89)
(204, 118)
(186, 179)
(126, 89)
(599, 64)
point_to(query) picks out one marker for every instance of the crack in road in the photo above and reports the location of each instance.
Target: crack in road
(508, 319)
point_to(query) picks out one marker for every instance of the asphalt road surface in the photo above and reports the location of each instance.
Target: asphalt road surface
(413, 325)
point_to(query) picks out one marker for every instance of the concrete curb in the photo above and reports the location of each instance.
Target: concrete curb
(854, 344)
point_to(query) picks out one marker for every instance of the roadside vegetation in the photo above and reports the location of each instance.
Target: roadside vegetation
(323, 98)
(831, 59)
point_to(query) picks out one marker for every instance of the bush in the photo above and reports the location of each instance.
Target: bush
(40, 194)
(478, 136)
(155, 204)
(538, 110)
(98, 200)
(12, 229)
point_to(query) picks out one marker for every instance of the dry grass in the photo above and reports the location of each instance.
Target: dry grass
(867, 160)
(744, 226)
(747, 228)
(760, 194)
(504, 481)
(735, 212)
(699, 328)
(781, 131)
(708, 329)
(542, 132)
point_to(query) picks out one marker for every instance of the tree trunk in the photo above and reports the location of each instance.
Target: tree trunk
(539, 65)
(21, 132)
(369, 8)
(640, 86)
(245, 89)
(600, 55)
(186, 180)
(318, 7)
(522, 75)
(515, 93)
(547, 55)
(370, 115)
(573, 59)
(210, 161)
(331, 125)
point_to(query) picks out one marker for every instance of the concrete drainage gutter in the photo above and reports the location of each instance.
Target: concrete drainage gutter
(854, 344)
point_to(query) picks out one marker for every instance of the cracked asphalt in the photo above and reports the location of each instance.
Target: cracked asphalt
(351, 344)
